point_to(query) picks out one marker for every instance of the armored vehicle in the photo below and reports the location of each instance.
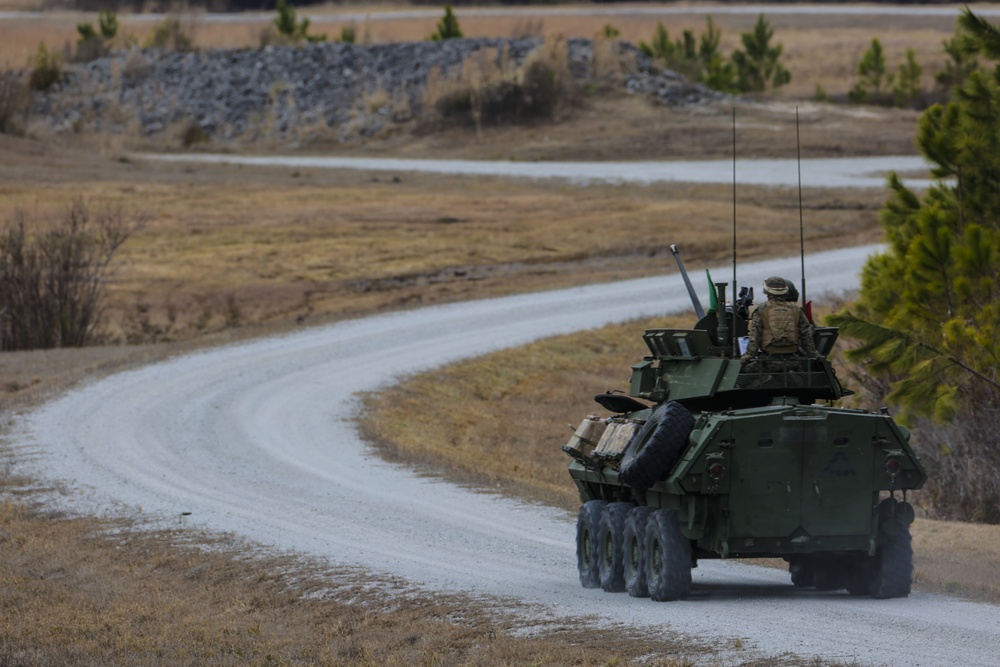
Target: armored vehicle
(706, 457)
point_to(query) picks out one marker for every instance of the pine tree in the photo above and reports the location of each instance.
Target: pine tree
(447, 27)
(906, 90)
(696, 58)
(757, 66)
(871, 75)
(929, 313)
(958, 67)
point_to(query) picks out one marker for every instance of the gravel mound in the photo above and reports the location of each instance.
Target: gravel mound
(286, 91)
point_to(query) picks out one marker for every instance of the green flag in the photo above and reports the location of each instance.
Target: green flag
(713, 302)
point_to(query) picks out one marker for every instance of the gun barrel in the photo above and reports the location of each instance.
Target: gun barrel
(699, 311)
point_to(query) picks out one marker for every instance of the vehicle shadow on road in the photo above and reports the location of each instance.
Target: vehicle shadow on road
(704, 591)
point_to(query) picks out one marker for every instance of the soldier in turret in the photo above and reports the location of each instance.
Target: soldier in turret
(779, 327)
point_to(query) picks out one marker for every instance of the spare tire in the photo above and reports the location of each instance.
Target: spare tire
(657, 446)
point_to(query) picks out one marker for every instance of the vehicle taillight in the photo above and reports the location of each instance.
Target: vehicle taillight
(892, 466)
(716, 470)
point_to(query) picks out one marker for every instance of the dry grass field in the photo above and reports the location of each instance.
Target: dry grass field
(235, 252)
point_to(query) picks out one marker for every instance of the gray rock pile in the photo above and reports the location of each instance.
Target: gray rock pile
(285, 91)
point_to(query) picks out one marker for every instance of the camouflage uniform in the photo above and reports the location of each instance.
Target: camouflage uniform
(779, 327)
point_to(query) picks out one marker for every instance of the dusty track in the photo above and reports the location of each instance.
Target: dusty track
(257, 439)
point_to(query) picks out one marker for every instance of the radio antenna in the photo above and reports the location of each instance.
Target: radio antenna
(802, 242)
(736, 342)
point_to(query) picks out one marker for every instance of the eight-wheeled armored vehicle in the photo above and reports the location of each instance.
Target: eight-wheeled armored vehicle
(708, 458)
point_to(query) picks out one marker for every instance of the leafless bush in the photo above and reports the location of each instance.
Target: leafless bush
(491, 89)
(963, 461)
(527, 27)
(53, 274)
(15, 103)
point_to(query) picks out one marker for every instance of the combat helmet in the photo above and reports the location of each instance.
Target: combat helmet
(776, 286)
(792, 294)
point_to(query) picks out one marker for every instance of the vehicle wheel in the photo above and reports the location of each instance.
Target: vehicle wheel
(612, 546)
(802, 573)
(828, 576)
(657, 446)
(588, 525)
(634, 541)
(891, 571)
(668, 557)
(857, 578)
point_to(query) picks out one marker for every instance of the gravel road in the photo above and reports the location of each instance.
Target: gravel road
(257, 439)
(848, 172)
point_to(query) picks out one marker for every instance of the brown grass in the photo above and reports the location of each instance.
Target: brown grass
(88, 592)
(499, 421)
(281, 245)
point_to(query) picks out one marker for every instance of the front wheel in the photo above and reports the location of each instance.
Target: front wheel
(668, 557)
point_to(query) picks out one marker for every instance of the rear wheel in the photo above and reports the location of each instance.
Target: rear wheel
(892, 566)
(634, 538)
(588, 525)
(828, 575)
(802, 573)
(858, 576)
(611, 538)
(668, 557)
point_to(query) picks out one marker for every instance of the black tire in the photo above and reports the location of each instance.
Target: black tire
(828, 575)
(668, 557)
(657, 446)
(611, 538)
(802, 573)
(891, 569)
(858, 576)
(634, 542)
(588, 525)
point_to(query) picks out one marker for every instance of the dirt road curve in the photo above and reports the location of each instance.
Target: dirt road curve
(257, 439)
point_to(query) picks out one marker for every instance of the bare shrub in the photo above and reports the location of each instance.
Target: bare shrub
(177, 30)
(527, 27)
(15, 103)
(492, 89)
(193, 134)
(610, 63)
(53, 275)
(963, 463)
(47, 69)
(547, 81)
